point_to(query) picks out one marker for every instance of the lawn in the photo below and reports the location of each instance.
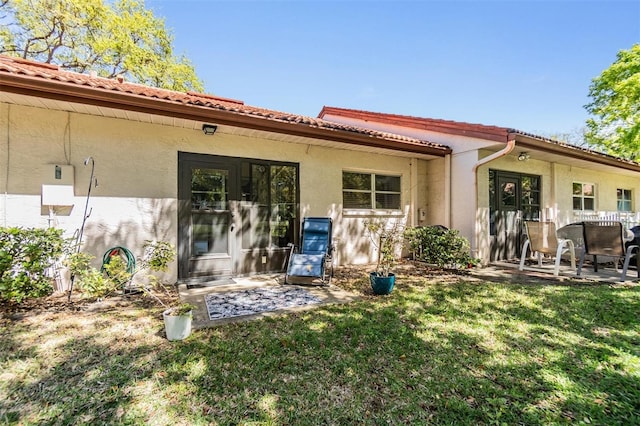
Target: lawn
(438, 350)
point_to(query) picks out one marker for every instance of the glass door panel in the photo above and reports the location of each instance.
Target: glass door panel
(283, 205)
(210, 214)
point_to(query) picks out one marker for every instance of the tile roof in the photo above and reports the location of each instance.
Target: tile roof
(488, 132)
(39, 72)
(437, 125)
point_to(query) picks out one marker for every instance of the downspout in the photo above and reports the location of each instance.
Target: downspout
(511, 144)
(6, 180)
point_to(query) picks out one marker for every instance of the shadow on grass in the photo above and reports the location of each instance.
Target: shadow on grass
(429, 353)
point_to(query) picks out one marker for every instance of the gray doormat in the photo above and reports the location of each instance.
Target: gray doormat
(256, 300)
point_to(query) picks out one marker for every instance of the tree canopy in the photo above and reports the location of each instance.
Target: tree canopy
(615, 107)
(120, 38)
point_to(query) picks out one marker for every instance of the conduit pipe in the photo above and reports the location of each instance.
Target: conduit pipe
(511, 144)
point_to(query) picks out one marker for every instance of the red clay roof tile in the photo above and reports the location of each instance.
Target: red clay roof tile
(494, 133)
(40, 71)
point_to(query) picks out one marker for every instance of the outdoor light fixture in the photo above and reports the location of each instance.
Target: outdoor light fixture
(209, 129)
(524, 156)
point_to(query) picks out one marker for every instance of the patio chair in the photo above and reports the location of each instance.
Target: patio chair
(607, 239)
(314, 260)
(573, 232)
(542, 239)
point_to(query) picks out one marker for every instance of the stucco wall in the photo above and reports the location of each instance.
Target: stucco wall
(136, 168)
(606, 189)
(462, 199)
(556, 195)
(435, 188)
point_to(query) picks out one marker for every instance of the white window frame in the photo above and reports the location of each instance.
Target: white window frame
(583, 197)
(625, 201)
(373, 191)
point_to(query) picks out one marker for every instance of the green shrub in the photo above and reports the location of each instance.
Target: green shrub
(440, 246)
(116, 274)
(78, 263)
(93, 283)
(158, 255)
(387, 237)
(117, 271)
(25, 256)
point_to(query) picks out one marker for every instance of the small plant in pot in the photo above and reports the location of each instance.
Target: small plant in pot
(117, 275)
(177, 321)
(157, 257)
(387, 237)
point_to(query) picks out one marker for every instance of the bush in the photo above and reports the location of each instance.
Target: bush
(116, 274)
(440, 246)
(387, 237)
(25, 256)
(91, 281)
(158, 255)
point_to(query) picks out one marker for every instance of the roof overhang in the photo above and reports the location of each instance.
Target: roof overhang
(74, 93)
(571, 152)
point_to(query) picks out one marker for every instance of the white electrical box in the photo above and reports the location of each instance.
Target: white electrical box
(57, 185)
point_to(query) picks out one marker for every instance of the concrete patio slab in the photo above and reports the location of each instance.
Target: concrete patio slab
(607, 274)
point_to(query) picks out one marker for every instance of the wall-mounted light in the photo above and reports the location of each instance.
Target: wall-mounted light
(209, 129)
(524, 156)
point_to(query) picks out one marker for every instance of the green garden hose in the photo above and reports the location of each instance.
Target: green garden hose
(122, 252)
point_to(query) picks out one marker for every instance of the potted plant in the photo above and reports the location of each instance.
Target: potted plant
(177, 321)
(157, 257)
(387, 237)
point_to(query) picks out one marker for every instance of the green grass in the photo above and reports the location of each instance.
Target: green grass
(460, 352)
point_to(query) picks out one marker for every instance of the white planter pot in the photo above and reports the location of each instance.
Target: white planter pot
(177, 327)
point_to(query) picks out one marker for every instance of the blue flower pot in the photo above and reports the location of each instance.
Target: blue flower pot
(382, 285)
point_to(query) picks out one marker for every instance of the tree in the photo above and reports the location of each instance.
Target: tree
(615, 94)
(114, 39)
(575, 137)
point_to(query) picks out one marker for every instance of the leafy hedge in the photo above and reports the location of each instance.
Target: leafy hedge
(25, 256)
(440, 246)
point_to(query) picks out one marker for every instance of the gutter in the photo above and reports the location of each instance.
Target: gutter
(51, 89)
(511, 144)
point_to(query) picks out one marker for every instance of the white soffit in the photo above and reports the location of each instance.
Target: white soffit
(141, 117)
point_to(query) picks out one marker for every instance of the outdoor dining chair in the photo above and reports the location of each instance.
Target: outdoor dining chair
(607, 239)
(542, 239)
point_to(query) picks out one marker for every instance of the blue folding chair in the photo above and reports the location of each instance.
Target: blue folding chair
(314, 260)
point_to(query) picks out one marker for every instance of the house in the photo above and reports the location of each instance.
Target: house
(225, 182)
(495, 177)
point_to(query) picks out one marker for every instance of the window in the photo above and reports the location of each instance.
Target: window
(584, 196)
(624, 200)
(269, 205)
(530, 193)
(370, 191)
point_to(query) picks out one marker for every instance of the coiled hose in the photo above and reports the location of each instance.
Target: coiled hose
(122, 252)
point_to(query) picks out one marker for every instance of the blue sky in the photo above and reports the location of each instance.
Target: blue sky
(520, 64)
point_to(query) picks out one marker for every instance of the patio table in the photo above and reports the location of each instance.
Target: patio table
(576, 233)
